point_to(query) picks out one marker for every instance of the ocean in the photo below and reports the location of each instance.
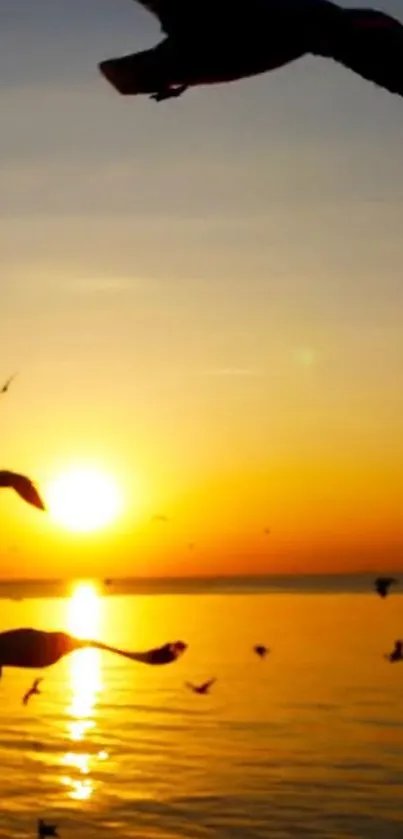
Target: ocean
(305, 743)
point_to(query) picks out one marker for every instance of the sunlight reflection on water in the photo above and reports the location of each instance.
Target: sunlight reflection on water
(84, 620)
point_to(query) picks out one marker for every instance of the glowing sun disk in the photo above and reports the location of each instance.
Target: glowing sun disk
(83, 500)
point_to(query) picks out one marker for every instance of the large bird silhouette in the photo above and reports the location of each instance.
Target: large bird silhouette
(215, 41)
(34, 648)
(23, 486)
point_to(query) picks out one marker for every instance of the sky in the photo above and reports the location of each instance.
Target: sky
(204, 300)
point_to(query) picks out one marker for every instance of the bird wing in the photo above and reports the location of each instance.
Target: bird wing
(36, 684)
(167, 11)
(24, 487)
(208, 685)
(371, 44)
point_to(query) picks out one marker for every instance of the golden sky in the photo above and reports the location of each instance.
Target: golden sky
(204, 301)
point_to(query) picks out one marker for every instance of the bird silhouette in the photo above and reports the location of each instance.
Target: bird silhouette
(397, 652)
(35, 648)
(33, 691)
(383, 584)
(160, 518)
(261, 650)
(203, 688)
(23, 486)
(7, 384)
(46, 830)
(214, 41)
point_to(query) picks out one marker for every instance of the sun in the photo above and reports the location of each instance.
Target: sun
(83, 500)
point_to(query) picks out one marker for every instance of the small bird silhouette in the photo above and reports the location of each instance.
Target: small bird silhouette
(7, 384)
(202, 689)
(261, 650)
(23, 486)
(35, 648)
(383, 584)
(159, 517)
(397, 652)
(45, 830)
(33, 691)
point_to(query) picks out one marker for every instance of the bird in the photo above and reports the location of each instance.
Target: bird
(212, 41)
(203, 688)
(267, 531)
(33, 691)
(383, 584)
(35, 649)
(7, 384)
(160, 518)
(397, 653)
(261, 650)
(23, 486)
(45, 830)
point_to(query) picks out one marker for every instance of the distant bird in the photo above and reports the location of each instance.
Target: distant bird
(35, 648)
(261, 650)
(266, 531)
(33, 691)
(23, 486)
(160, 518)
(214, 41)
(202, 689)
(383, 584)
(397, 652)
(7, 384)
(45, 830)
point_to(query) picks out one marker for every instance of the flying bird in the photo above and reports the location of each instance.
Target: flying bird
(202, 689)
(7, 384)
(212, 41)
(23, 486)
(397, 652)
(45, 830)
(33, 691)
(383, 584)
(35, 648)
(261, 650)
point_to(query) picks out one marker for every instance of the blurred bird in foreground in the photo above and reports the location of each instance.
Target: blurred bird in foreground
(261, 650)
(7, 384)
(216, 41)
(45, 830)
(33, 691)
(397, 652)
(202, 689)
(35, 648)
(23, 486)
(383, 584)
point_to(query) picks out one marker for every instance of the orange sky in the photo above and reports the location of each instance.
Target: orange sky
(204, 300)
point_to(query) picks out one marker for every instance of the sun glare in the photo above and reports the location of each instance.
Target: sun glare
(83, 500)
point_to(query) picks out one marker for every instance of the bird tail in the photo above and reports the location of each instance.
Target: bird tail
(366, 41)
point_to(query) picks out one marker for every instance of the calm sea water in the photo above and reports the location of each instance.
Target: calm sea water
(307, 743)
